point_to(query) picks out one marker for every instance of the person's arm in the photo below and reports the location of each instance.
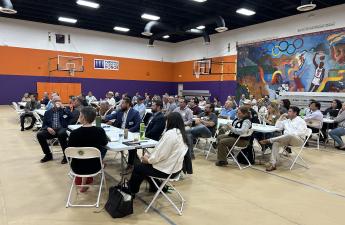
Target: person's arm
(189, 115)
(314, 60)
(72, 142)
(340, 117)
(157, 127)
(245, 127)
(111, 116)
(211, 123)
(280, 122)
(163, 148)
(136, 120)
(45, 120)
(103, 139)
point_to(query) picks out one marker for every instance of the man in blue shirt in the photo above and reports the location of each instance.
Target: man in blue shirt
(228, 112)
(140, 106)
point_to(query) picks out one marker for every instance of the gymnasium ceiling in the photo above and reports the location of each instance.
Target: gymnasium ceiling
(175, 13)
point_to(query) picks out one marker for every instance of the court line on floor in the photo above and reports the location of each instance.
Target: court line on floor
(302, 183)
(162, 215)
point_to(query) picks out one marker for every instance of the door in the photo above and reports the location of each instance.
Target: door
(179, 89)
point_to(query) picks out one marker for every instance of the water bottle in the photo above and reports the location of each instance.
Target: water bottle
(328, 116)
(98, 121)
(142, 131)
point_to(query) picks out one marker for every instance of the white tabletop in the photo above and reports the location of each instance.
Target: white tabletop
(40, 111)
(328, 120)
(23, 104)
(255, 126)
(115, 144)
(216, 109)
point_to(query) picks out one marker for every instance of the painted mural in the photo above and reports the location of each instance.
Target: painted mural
(311, 63)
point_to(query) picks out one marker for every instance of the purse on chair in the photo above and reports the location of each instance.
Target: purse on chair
(119, 204)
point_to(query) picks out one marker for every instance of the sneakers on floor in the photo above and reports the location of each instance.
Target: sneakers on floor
(221, 163)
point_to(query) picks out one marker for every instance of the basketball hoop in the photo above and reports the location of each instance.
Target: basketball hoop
(71, 72)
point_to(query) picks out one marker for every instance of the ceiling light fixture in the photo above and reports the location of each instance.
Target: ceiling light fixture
(150, 17)
(122, 29)
(201, 27)
(7, 7)
(194, 30)
(88, 4)
(166, 36)
(246, 12)
(306, 5)
(67, 20)
(199, 0)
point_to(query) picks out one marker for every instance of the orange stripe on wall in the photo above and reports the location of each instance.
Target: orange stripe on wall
(34, 62)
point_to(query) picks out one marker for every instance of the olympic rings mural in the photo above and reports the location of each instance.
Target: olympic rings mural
(284, 47)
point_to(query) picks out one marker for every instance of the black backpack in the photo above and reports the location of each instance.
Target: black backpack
(119, 204)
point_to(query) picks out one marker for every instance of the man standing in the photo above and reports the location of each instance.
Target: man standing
(295, 129)
(186, 113)
(254, 118)
(318, 76)
(156, 124)
(55, 122)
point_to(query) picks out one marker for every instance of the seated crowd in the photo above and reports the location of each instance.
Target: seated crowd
(177, 123)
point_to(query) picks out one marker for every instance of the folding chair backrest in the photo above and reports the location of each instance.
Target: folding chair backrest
(16, 107)
(37, 117)
(309, 133)
(82, 152)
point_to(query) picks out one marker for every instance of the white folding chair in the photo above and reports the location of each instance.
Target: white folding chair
(17, 108)
(210, 140)
(167, 181)
(298, 154)
(316, 124)
(39, 122)
(84, 153)
(235, 150)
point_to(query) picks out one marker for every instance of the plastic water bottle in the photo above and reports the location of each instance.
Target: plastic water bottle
(142, 131)
(328, 116)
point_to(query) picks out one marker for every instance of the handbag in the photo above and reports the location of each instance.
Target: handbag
(119, 203)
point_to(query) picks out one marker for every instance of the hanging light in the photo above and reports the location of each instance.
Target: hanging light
(7, 7)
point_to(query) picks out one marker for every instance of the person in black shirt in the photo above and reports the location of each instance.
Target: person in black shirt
(45, 100)
(331, 112)
(156, 124)
(193, 105)
(88, 136)
(254, 118)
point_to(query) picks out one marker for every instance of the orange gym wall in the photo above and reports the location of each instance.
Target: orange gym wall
(34, 62)
(183, 71)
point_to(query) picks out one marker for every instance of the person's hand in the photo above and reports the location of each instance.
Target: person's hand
(283, 116)
(51, 131)
(197, 121)
(109, 123)
(145, 159)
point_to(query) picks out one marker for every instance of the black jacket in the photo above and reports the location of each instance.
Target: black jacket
(155, 127)
(65, 116)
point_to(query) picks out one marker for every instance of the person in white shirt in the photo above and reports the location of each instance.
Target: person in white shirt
(90, 98)
(111, 99)
(167, 157)
(202, 102)
(140, 106)
(315, 118)
(295, 129)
